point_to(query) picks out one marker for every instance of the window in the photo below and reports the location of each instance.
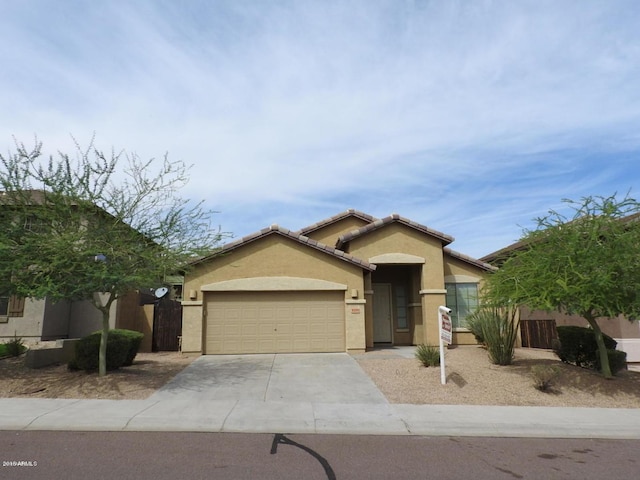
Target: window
(401, 307)
(462, 299)
(11, 306)
(35, 224)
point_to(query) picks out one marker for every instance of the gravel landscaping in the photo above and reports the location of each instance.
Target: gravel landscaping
(471, 380)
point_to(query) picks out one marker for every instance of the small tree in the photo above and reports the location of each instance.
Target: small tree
(588, 265)
(95, 227)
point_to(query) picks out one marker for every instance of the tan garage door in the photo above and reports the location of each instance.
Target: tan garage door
(275, 322)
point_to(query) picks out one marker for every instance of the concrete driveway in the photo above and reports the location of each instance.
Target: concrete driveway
(294, 378)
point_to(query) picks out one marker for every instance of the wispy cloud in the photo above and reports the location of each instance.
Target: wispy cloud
(469, 117)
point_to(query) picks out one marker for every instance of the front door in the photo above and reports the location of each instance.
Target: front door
(382, 313)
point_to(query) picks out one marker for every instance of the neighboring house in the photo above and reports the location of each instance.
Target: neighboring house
(40, 320)
(35, 320)
(346, 283)
(537, 327)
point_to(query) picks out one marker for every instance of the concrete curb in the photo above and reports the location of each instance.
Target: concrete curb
(250, 416)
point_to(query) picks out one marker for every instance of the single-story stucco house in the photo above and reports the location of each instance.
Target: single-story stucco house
(346, 283)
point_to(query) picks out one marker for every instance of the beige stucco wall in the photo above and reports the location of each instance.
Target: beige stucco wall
(271, 256)
(463, 272)
(275, 256)
(46, 320)
(85, 318)
(131, 315)
(55, 323)
(626, 333)
(398, 238)
(28, 327)
(192, 327)
(618, 327)
(355, 325)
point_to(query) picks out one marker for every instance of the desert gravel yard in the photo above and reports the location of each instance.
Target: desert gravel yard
(472, 380)
(149, 372)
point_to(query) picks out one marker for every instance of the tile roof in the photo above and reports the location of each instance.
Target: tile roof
(275, 229)
(468, 259)
(501, 255)
(393, 218)
(328, 221)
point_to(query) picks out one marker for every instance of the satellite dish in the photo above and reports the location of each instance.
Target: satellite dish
(161, 292)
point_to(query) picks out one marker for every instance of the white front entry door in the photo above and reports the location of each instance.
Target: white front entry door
(382, 313)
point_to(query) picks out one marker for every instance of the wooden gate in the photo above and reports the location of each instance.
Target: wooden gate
(167, 325)
(538, 333)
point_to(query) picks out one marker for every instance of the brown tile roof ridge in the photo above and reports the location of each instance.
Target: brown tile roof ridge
(276, 229)
(328, 221)
(471, 260)
(505, 252)
(394, 217)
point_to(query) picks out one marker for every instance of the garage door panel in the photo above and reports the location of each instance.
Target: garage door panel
(275, 322)
(261, 329)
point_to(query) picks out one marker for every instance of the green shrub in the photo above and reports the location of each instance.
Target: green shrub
(88, 351)
(13, 348)
(556, 346)
(475, 327)
(134, 338)
(617, 361)
(499, 332)
(578, 346)
(543, 376)
(428, 355)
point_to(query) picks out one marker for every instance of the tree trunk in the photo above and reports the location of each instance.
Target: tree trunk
(102, 357)
(602, 349)
(104, 308)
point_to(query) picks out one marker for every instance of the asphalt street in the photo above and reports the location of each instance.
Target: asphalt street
(163, 455)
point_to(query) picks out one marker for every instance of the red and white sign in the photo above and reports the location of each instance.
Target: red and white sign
(444, 324)
(446, 329)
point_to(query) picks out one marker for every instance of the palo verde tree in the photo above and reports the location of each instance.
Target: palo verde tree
(587, 264)
(95, 227)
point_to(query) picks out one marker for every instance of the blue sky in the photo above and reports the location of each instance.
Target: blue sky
(469, 117)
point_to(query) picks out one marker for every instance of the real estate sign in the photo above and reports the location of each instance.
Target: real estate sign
(445, 328)
(444, 325)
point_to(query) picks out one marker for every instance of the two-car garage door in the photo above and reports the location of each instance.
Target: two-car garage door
(274, 322)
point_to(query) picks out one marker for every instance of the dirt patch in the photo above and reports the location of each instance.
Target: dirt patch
(473, 380)
(149, 372)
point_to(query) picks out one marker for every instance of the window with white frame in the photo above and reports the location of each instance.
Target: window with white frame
(462, 299)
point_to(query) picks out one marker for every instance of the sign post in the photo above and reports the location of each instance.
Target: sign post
(444, 325)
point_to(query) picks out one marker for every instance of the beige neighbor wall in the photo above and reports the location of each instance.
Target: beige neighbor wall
(457, 271)
(626, 333)
(131, 315)
(55, 323)
(85, 318)
(398, 238)
(272, 256)
(330, 233)
(28, 327)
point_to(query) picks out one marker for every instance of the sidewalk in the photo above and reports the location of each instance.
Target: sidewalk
(200, 415)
